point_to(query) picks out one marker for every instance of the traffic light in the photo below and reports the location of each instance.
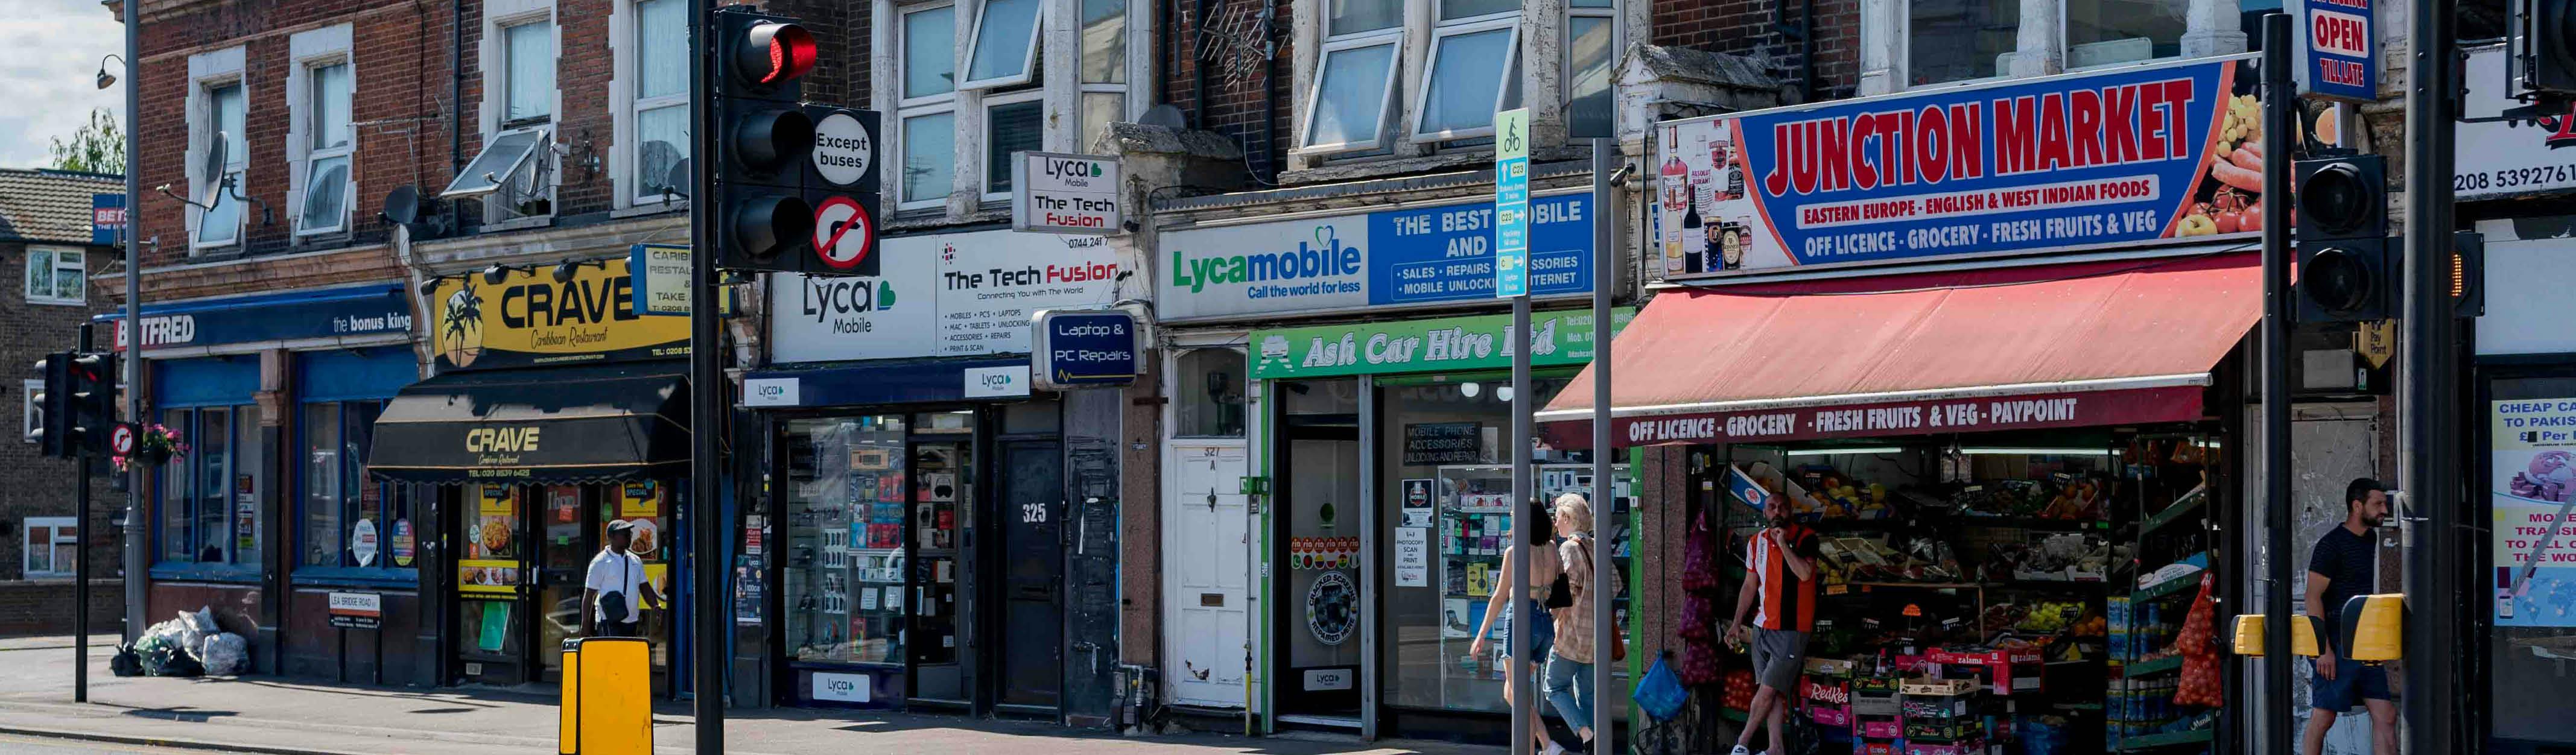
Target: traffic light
(2547, 45)
(796, 183)
(2347, 265)
(53, 405)
(762, 132)
(92, 399)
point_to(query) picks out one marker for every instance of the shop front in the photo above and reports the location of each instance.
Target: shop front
(270, 511)
(1337, 493)
(900, 424)
(1998, 372)
(2521, 627)
(557, 410)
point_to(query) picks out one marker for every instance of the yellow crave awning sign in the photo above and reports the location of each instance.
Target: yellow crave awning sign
(529, 318)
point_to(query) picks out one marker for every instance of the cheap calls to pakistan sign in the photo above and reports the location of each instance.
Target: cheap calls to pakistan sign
(2141, 154)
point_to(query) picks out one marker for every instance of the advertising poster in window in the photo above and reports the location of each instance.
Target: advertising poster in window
(2163, 153)
(2533, 484)
(639, 504)
(491, 563)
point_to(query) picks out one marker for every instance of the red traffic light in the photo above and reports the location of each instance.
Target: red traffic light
(775, 53)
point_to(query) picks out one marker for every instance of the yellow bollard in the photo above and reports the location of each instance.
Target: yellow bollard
(2373, 627)
(2249, 635)
(607, 706)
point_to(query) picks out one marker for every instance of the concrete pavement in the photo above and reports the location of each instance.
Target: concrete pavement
(266, 715)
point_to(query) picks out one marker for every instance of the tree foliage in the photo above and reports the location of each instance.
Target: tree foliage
(96, 147)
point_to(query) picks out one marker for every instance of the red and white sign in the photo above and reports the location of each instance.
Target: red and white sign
(1978, 414)
(357, 610)
(120, 441)
(843, 232)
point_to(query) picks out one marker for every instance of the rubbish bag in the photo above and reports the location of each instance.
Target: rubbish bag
(126, 663)
(225, 654)
(182, 664)
(195, 626)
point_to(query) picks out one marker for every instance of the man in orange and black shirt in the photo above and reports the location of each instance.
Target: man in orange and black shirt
(1782, 585)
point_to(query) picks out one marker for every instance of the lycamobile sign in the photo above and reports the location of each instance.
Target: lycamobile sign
(1415, 256)
(1271, 273)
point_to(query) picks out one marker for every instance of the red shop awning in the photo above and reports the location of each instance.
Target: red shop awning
(2071, 345)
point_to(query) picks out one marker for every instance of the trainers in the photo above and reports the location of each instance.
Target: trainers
(1741, 750)
(1555, 749)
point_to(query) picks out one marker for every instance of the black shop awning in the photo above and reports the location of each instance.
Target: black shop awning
(542, 425)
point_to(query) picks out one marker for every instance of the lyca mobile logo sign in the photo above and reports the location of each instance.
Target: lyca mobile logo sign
(1325, 257)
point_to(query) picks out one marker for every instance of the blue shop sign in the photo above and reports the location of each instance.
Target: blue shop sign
(2342, 60)
(290, 316)
(1082, 349)
(106, 219)
(1441, 254)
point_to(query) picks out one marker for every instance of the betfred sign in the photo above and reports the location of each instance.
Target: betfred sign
(2339, 62)
(1057, 193)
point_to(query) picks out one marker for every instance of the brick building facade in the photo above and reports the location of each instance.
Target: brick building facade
(46, 247)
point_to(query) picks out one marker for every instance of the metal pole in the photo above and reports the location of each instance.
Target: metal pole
(80, 553)
(136, 606)
(1524, 709)
(706, 391)
(2279, 122)
(2427, 406)
(1605, 269)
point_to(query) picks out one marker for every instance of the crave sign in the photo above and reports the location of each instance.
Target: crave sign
(530, 319)
(2142, 154)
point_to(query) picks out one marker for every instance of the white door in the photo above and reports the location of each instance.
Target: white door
(1206, 556)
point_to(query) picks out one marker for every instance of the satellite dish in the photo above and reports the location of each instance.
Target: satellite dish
(403, 204)
(213, 175)
(681, 179)
(1164, 115)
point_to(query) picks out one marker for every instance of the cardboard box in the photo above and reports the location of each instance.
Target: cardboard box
(1938, 687)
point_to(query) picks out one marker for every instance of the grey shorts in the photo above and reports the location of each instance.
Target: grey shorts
(1779, 656)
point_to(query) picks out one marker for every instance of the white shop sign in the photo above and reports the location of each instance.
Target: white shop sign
(841, 688)
(1057, 193)
(960, 294)
(2501, 159)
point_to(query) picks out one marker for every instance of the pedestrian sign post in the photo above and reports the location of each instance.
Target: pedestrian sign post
(1511, 203)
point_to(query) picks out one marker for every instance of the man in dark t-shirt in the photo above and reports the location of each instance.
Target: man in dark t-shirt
(2340, 569)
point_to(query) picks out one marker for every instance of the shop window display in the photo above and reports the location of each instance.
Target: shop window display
(2034, 595)
(845, 540)
(1447, 502)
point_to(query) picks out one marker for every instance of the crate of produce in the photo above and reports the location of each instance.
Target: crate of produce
(1885, 728)
(1876, 748)
(1830, 716)
(1878, 684)
(1868, 704)
(1936, 707)
(1841, 668)
(1969, 747)
(1943, 729)
(1826, 691)
(2006, 671)
(1938, 686)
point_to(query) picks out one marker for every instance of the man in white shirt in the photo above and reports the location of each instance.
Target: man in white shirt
(616, 572)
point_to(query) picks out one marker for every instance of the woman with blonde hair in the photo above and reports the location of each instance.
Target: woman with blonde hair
(1569, 664)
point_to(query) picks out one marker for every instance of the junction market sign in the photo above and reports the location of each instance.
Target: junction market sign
(2026, 166)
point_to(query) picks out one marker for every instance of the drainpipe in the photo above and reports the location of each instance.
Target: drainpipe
(456, 91)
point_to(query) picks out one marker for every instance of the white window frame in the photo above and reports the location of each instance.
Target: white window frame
(975, 36)
(2066, 47)
(493, 57)
(208, 71)
(52, 295)
(912, 107)
(59, 532)
(1430, 59)
(627, 107)
(30, 413)
(1315, 90)
(1565, 39)
(983, 146)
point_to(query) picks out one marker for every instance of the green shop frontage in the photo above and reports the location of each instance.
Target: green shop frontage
(1381, 461)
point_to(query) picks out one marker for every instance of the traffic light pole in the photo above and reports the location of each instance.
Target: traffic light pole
(2280, 121)
(706, 394)
(80, 554)
(2428, 407)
